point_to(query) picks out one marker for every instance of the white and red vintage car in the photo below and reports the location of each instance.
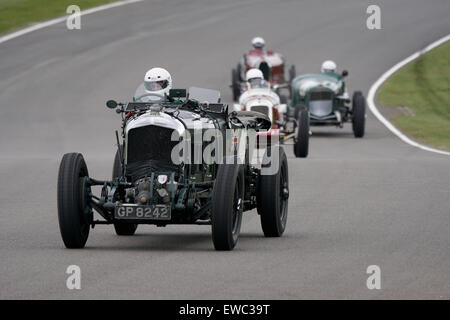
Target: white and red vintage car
(260, 97)
(272, 65)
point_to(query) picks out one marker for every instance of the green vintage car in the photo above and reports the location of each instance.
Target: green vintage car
(325, 98)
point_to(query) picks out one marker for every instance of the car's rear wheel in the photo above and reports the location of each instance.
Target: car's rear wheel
(235, 84)
(359, 114)
(122, 228)
(74, 213)
(227, 205)
(273, 194)
(301, 141)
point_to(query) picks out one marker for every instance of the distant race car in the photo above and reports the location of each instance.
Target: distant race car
(271, 64)
(262, 98)
(324, 97)
(148, 187)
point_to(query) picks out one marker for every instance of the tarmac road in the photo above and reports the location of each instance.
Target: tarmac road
(354, 202)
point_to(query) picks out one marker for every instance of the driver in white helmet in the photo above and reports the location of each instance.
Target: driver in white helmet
(156, 86)
(255, 79)
(328, 67)
(258, 43)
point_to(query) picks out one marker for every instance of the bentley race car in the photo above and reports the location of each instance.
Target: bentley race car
(324, 97)
(260, 97)
(271, 64)
(149, 187)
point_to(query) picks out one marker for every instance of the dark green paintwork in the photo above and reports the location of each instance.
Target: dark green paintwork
(322, 79)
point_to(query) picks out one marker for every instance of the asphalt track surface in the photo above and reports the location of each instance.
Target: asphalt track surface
(354, 202)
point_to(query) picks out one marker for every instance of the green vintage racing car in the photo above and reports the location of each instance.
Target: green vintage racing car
(150, 185)
(323, 97)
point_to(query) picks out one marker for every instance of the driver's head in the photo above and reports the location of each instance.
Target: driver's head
(258, 43)
(254, 77)
(158, 81)
(328, 67)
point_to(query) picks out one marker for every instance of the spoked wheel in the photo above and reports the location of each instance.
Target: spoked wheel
(122, 228)
(74, 213)
(301, 145)
(227, 206)
(273, 194)
(359, 114)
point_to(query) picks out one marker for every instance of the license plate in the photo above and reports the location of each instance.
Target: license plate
(132, 211)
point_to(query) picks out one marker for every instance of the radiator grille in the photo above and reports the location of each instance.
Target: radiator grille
(150, 143)
(321, 103)
(321, 108)
(320, 95)
(149, 149)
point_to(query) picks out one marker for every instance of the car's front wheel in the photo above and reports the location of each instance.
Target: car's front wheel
(301, 141)
(74, 214)
(227, 205)
(273, 192)
(359, 114)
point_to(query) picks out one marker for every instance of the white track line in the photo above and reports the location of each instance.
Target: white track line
(62, 19)
(384, 77)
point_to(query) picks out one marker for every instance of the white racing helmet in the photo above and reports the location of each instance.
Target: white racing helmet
(157, 80)
(254, 74)
(258, 43)
(328, 66)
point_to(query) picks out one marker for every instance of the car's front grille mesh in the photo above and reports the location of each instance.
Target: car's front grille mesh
(150, 143)
(321, 108)
(320, 95)
(149, 149)
(321, 103)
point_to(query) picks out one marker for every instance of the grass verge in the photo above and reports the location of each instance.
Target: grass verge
(15, 14)
(423, 87)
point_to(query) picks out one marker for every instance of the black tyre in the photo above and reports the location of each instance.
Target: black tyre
(74, 214)
(227, 206)
(301, 141)
(273, 195)
(359, 114)
(122, 228)
(235, 84)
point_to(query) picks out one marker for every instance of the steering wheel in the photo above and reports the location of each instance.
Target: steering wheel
(150, 94)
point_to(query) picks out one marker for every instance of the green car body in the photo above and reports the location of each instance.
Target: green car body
(324, 97)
